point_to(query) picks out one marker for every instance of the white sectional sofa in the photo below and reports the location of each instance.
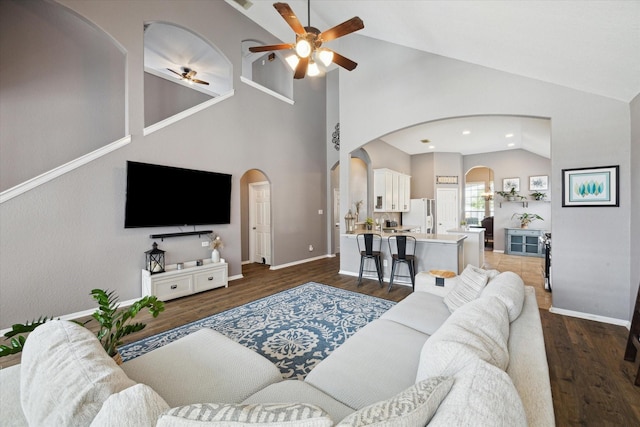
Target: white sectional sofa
(468, 354)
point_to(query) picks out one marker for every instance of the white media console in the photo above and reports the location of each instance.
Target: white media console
(175, 283)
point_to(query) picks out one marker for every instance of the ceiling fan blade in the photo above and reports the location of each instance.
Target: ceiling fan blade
(344, 62)
(285, 11)
(347, 27)
(271, 47)
(174, 72)
(202, 82)
(191, 74)
(301, 69)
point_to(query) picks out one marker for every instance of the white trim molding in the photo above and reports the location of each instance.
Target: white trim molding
(588, 316)
(266, 90)
(60, 170)
(302, 261)
(186, 113)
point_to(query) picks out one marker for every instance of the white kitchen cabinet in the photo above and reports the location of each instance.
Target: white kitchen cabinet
(392, 191)
(178, 283)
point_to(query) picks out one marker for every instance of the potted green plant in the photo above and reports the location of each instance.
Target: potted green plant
(114, 323)
(511, 195)
(537, 195)
(369, 223)
(526, 218)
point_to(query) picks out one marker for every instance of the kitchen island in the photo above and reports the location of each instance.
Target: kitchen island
(433, 252)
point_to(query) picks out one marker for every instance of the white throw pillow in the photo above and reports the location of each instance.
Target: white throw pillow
(479, 330)
(468, 287)
(138, 406)
(66, 375)
(413, 407)
(482, 396)
(509, 287)
(234, 415)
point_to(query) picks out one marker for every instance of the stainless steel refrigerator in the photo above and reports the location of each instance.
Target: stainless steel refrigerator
(422, 213)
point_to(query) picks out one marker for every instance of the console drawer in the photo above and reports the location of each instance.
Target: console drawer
(210, 280)
(172, 288)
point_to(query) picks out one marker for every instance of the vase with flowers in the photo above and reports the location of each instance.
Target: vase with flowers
(215, 243)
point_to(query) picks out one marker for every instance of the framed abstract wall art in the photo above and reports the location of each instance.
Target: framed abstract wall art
(588, 187)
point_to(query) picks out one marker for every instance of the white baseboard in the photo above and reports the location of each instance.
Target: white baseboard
(302, 261)
(235, 277)
(588, 316)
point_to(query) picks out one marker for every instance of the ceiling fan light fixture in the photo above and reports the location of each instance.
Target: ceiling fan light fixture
(303, 48)
(312, 69)
(325, 56)
(292, 60)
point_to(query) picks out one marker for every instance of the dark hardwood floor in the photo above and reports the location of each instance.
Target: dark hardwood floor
(591, 383)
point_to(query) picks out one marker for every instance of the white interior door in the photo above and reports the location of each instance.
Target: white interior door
(336, 216)
(260, 222)
(446, 209)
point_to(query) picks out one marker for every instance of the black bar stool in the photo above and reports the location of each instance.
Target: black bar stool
(402, 249)
(371, 243)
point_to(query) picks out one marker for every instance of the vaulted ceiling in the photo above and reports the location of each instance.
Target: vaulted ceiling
(592, 46)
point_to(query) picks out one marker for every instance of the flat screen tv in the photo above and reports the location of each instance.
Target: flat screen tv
(159, 196)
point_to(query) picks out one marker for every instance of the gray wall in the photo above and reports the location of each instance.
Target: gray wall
(422, 176)
(514, 164)
(164, 98)
(66, 237)
(62, 86)
(591, 245)
(635, 200)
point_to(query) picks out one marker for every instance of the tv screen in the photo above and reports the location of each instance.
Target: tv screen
(159, 196)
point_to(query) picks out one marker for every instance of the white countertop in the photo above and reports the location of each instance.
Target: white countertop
(466, 230)
(420, 237)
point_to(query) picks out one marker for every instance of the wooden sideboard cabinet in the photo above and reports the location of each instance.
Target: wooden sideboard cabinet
(523, 241)
(178, 283)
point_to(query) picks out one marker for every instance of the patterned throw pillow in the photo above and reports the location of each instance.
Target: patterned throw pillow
(262, 414)
(413, 407)
(471, 282)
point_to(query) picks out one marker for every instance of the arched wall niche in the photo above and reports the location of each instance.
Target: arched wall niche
(171, 93)
(78, 73)
(267, 71)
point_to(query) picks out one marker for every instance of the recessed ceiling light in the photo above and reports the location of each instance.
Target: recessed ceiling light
(466, 132)
(425, 141)
(511, 144)
(509, 135)
(432, 146)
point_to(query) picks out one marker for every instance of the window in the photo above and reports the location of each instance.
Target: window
(476, 206)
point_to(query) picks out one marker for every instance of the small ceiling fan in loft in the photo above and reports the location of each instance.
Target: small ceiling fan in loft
(309, 40)
(189, 75)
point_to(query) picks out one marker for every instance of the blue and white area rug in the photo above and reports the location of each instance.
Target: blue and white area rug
(295, 329)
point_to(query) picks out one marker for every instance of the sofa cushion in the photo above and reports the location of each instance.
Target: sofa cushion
(138, 406)
(468, 287)
(509, 288)
(376, 363)
(482, 395)
(300, 391)
(66, 375)
(413, 407)
(199, 368)
(480, 329)
(221, 414)
(422, 311)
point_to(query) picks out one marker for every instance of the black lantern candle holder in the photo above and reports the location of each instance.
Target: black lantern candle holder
(155, 260)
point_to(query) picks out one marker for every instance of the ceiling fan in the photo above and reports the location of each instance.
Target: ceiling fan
(189, 75)
(309, 41)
